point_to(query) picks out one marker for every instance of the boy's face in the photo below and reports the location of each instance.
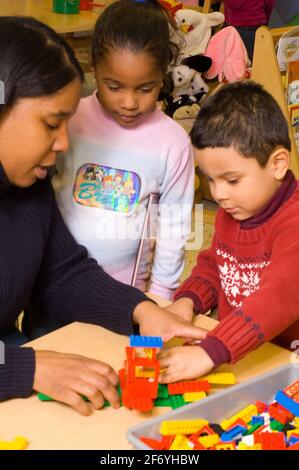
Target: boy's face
(238, 184)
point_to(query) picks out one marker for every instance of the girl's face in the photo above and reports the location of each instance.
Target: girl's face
(33, 131)
(128, 85)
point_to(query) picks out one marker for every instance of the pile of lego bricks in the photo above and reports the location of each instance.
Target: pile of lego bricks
(256, 427)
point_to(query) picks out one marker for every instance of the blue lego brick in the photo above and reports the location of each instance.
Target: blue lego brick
(257, 420)
(234, 433)
(283, 399)
(146, 341)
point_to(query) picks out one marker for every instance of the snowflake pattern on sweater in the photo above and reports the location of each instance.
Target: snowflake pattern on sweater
(238, 279)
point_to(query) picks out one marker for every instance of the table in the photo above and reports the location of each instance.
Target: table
(52, 425)
(42, 10)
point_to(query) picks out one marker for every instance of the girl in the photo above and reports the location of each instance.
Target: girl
(43, 271)
(139, 149)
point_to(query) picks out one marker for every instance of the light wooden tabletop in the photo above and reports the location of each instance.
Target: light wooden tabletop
(51, 425)
(42, 10)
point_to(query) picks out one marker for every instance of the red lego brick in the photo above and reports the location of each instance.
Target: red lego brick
(261, 407)
(272, 441)
(192, 386)
(152, 443)
(279, 413)
(294, 446)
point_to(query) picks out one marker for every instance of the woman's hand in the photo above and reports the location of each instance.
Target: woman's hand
(156, 321)
(66, 377)
(184, 363)
(183, 308)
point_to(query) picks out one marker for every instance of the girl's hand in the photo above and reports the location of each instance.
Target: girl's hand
(66, 377)
(184, 363)
(156, 321)
(183, 308)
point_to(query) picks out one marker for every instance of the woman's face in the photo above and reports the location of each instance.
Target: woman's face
(33, 131)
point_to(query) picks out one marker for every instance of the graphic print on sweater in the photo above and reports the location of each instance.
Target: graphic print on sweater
(238, 279)
(107, 188)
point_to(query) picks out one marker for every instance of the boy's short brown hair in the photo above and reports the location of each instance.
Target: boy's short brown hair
(245, 116)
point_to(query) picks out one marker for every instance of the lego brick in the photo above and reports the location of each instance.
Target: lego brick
(245, 414)
(137, 341)
(162, 391)
(19, 443)
(181, 443)
(234, 433)
(162, 402)
(176, 401)
(287, 402)
(190, 386)
(209, 441)
(193, 396)
(182, 427)
(220, 378)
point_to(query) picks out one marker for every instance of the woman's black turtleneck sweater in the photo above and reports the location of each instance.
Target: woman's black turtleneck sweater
(44, 272)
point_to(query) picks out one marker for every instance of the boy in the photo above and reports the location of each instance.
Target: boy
(252, 268)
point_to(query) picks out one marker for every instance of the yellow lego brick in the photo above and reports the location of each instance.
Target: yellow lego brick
(225, 446)
(291, 432)
(220, 378)
(255, 447)
(148, 352)
(245, 414)
(209, 441)
(140, 372)
(19, 443)
(296, 422)
(193, 396)
(244, 446)
(169, 428)
(181, 443)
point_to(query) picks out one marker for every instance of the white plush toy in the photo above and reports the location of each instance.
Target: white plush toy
(196, 27)
(187, 81)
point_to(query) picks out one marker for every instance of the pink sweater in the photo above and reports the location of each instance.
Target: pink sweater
(248, 12)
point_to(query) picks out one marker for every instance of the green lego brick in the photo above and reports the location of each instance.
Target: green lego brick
(177, 401)
(253, 428)
(162, 402)
(162, 391)
(276, 425)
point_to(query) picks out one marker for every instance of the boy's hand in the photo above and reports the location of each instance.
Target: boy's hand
(183, 308)
(184, 363)
(156, 321)
(66, 377)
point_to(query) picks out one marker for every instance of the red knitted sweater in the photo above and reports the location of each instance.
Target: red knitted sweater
(252, 275)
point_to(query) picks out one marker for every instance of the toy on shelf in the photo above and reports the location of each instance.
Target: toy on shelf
(229, 56)
(189, 89)
(196, 28)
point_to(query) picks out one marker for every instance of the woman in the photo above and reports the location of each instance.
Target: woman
(43, 270)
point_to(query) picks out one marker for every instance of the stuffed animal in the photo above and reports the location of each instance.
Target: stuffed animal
(188, 87)
(229, 56)
(196, 29)
(182, 107)
(188, 82)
